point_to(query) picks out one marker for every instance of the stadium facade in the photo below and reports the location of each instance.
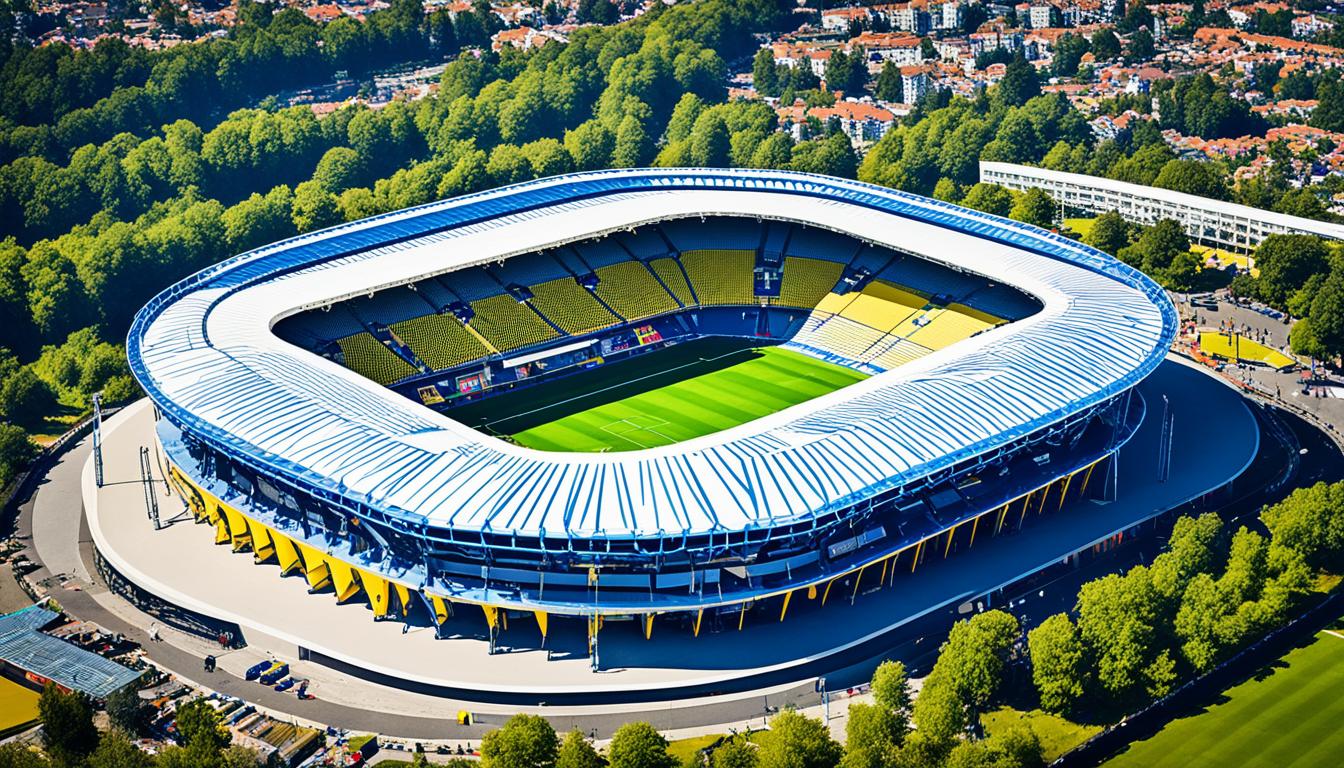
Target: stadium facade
(306, 392)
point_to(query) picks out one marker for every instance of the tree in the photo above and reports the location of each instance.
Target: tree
(1329, 112)
(1286, 262)
(891, 687)
(524, 741)
(1109, 233)
(199, 728)
(765, 73)
(798, 741)
(25, 399)
(1140, 46)
(1310, 522)
(127, 711)
(735, 753)
(847, 72)
(1194, 177)
(1105, 45)
(890, 85)
(1326, 315)
(16, 452)
(1019, 83)
(1069, 50)
(339, 169)
(1056, 663)
(874, 734)
(632, 143)
(1304, 203)
(1157, 247)
(17, 755)
(990, 198)
(591, 145)
(1117, 618)
(710, 141)
(67, 725)
(639, 745)
(1035, 206)
(939, 712)
(314, 207)
(576, 752)
(116, 750)
(975, 653)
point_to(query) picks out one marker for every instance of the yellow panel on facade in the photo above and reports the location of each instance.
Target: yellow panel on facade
(542, 621)
(491, 615)
(343, 578)
(377, 590)
(314, 566)
(404, 597)
(237, 527)
(440, 609)
(222, 531)
(285, 552)
(262, 548)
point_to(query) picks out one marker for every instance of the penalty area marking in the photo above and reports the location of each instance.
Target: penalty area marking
(624, 428)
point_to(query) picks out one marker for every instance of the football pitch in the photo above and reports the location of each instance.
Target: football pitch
(685, 391)
(1286, 717)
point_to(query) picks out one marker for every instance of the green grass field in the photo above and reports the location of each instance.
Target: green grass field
(1288, 717)
(758, 382)
(674, 394)
(1058, 735)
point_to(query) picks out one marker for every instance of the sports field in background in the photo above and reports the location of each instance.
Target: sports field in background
(1215, 343)
(664, 397)
(1288, 717)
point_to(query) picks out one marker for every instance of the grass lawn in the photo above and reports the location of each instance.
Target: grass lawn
(683, 749)
(692, 390)
(1057, 734)
(1289, 717)
(1217, 344)
(1081, 226)
(18, 706)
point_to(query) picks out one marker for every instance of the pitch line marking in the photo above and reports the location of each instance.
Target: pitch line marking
(1333, 632)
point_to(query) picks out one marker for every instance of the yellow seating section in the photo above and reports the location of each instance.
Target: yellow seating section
(722, 276)
(570, 306)
(834, 303)
(883, 306)
(507, 324)
(950, 326)
(368, 357)
(807, 281)
(629, 289)
(672, 277)
(440, 340)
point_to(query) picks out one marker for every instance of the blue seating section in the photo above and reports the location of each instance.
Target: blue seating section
(818, 243)
(391, 306)
(929, 278)
(1001, 301)
(529, 269)
(435, 293)
(472, 284)
(570, 260)
(723, 234)
(318, 327)
(872, 259)
(644, 243)
(602, 253)
(776, 237)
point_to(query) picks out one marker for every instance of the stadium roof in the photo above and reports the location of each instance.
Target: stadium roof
(204, 351)
(24, 645)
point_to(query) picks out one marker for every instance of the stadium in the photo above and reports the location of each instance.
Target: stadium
(621, 395)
